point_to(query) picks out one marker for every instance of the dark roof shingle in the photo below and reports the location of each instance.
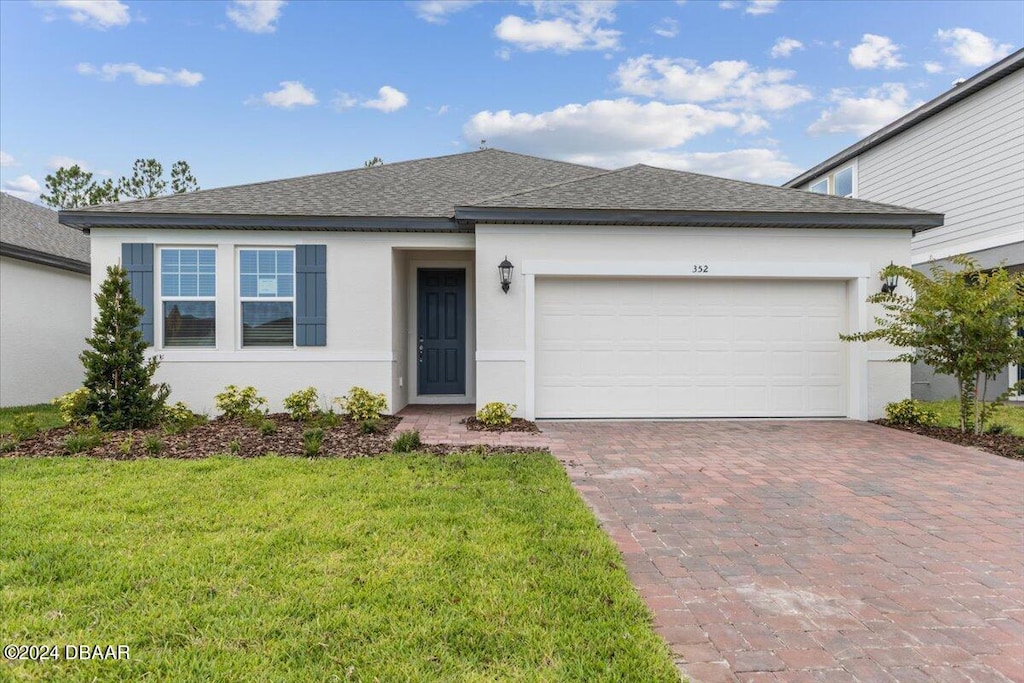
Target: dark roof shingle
(35, 228)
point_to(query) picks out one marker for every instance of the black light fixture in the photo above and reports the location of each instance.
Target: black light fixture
(890, 282)
(505, 272)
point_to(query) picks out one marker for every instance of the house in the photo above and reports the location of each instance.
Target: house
(639, 292)
(962, 155)
(44, 303)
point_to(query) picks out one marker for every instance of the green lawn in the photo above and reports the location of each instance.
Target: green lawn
(1010, 416)
(45, 413)
(399, 568)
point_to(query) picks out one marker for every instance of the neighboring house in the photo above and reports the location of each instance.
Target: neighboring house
(44, 303)
(641, 292)
(962, 155)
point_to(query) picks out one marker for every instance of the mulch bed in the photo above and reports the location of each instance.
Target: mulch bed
(518, 425)
(1006, 445)
(232, 436)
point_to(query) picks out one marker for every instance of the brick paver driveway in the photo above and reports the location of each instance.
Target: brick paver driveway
(813, 551)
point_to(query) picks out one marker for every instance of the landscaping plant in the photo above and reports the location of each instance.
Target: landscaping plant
(407, 442)
(910, 412)
(119, 379)
(312, 440)
(496, 414)
(25, 426)
(72, 405)
(179, 418)
(244, 403)
(361, 404)
(961, 322)
(302, 404)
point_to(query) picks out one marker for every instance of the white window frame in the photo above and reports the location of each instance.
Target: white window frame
(819, 181)
(158, 268)
(830, 181)
(239, 299)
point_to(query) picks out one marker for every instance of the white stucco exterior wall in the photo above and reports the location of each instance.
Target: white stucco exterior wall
(44, 320)
(502, 319)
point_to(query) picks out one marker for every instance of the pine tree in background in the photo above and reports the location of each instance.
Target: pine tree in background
(117, 374)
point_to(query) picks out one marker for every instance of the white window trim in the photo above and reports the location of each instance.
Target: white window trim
(158, 285)
(830, 180)
(239, 299)
(828, 184)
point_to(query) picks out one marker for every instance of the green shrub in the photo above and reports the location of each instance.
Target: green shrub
(407, 442)
(370, 426)
(312, 440)
(125, 446)
(179, 418)
(85, 438)
(302, 405)
(361, 404)
(235, 447)
(268, 427)
(7, 445)
(244, 402)
(327, 419)
(71, 406)
(153, 444)
(496, 414)
(25, 426)
(997, 428)
(910, 412)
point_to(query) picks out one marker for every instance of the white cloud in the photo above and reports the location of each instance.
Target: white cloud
(100, 14)
(666, 28)
(61, 161)
(343, 101)
(726, 83)
(728, 4)
(256, 16)
(389, 99)
(291, 94)
(863, 115)
(24, 187)
(571, 26)
(876, 52)
(437, 11)
(6, 160)
(784, 47)
(602, 127)
(141, 76)
(933, 67)
(971, 48)
(754, 7)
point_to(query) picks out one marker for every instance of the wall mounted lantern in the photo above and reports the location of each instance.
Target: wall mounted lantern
(890, 282)
(505, 272)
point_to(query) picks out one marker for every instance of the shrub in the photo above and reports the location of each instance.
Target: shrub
(125, 446)
(302, 405)
(85, 438)
(370, 426)
(25, 426)
(118, 375)
(235, 447)
(71, 406)
(7, 445)
(407, 442)
(179, 418)
(312, 440)
(910, 412)
(244, 402)
(362, 404)
(153, 444)
(496, 414)
(997, 428)
(268, 427)
(327, 419)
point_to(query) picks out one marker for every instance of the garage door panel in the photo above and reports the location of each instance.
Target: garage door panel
(677, 348)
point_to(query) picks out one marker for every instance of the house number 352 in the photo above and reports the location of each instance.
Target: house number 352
(700, 268)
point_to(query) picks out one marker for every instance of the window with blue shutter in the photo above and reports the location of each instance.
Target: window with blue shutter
(137, 259)
(311, 295)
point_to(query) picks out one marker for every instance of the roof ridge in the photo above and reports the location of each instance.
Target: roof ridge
(548, 186)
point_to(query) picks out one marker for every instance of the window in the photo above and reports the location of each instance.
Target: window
(188, 289)
(820, 187)
(267, 288)
(839, 183)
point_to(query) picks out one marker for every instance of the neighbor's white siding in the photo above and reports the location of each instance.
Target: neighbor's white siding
(966, 162)
(44, 320)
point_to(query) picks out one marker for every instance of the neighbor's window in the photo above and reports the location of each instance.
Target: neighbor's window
(267, 287)
(188, 289)
(842, 182)
(820, 187)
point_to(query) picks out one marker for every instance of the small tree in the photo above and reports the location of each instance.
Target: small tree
(147, 180)
(961, 322)
(117, 374)
(182, 179)
(375, 161)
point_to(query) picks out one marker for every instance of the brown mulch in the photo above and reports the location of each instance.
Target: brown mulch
(1006, 445)
(518, 425)
(218, 436)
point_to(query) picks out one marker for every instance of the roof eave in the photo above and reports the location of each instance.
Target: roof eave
(114, 219)
(912, 221)
(994, 73)
(43, 258)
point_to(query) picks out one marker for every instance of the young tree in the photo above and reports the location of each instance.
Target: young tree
(182, 179)
(146, 181)
(375, 161)
(961, 322)
(69, 188)
(122, 394)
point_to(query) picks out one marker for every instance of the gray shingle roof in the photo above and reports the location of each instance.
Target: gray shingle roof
(647, 188)
(420, 188)
(28, 226)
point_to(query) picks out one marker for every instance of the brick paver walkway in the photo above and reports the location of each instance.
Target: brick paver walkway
(812, 551)
(441, 424)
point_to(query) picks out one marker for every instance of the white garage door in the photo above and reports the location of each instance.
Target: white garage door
(690, 348)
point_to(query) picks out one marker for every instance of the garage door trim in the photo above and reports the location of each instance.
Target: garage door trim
(855, 273)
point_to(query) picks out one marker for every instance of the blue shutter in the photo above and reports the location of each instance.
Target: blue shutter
(137, 259)
(311, 295)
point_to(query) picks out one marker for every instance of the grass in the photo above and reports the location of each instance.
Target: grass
(45, 413)
(1010, 416)
(398, 568)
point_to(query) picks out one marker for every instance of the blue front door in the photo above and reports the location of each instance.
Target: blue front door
(441, 338)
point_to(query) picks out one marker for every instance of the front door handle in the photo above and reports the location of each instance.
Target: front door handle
(420, 356)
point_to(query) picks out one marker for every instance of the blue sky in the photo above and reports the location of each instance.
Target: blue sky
(250, 91)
